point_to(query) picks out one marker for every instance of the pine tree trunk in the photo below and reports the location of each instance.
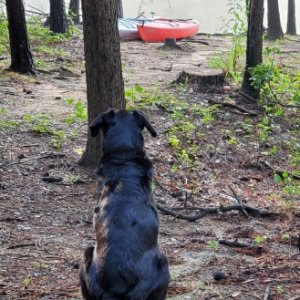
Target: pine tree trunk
(58, 18)
(74, 9)
(105, 87)
(274, 25)
(21, 57)
(291, 20)
(120, 9)
(254, 44)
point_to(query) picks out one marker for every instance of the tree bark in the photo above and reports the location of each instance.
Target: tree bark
(21, 57)
(58, 18)
(120, 9)
(291, 19)
(254, 44)
(105, 87)
(74, 9)
(274, 25)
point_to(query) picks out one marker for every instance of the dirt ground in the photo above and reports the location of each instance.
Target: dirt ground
(45, 226)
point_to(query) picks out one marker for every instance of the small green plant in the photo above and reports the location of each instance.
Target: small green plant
(279, 290)
(4, 39)
(9, 125)
(40, 265)
(40, 123)
(207, 113)
(73, 179)
(50, 50)
(237, 26)
(26, 281)
(59, 138)
(285, 236)
(213, 245)
(278, 88)
(132, 95)
(260, 239)
(41, 35)
(79, 114)
(174, 141)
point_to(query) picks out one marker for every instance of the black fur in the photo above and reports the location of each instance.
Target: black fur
(125, 263)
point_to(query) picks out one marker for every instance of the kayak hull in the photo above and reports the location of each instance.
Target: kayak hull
(128, 29)
(159, 30)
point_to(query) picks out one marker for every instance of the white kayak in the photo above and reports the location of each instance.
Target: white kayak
(128, 29)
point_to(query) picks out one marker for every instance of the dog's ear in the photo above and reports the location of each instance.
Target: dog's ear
(140, 116)
(96, 125)
(100, 121)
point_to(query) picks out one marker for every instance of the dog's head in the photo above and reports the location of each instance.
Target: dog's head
(122, 130)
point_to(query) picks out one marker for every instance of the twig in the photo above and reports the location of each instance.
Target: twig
(21, 246)
(195, 41)
(255, 212)
(36, 13)
(257, 249)
(52, 179)
(277, 100)
(231, 105)
(267, 292)
(9, 219)
(30, 145)
(239, 201)
(35, 8)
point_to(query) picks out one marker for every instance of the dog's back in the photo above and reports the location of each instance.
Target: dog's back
(126, 262)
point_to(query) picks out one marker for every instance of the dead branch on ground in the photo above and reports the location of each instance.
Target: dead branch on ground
(254, 212)
(257, 249)
(234, 106)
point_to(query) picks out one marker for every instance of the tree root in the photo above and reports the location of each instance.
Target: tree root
(254, 212)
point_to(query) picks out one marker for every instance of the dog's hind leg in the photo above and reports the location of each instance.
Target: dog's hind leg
(159, 294)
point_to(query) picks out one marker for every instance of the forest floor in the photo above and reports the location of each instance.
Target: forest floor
(204, 157)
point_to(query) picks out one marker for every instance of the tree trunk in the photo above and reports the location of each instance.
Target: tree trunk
(274, 25)
(74, 9)
(291, 19)
(58, 18)
(21, 57)
(120, 9)
(105, 87)
(254, 44)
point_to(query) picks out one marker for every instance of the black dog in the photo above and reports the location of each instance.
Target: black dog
(125, 263)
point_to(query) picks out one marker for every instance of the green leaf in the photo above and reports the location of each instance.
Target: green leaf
(277, 178)
(138, 89)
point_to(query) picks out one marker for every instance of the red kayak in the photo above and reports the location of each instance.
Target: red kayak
(160, 29)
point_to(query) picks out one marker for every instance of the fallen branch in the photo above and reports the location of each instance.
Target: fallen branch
(9, 219)
(21, 246)
(231, 105)
(52, 179)
(195, 41)
(254, 212)
(257, 249)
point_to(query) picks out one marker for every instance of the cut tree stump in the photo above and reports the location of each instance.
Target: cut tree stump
(206, 81)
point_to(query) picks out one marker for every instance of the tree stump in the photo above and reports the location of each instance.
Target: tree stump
(208, 81)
